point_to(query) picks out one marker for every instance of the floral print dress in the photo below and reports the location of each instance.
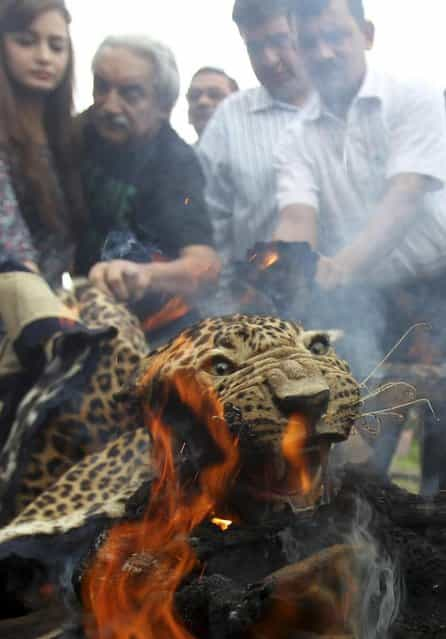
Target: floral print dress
(52, 252)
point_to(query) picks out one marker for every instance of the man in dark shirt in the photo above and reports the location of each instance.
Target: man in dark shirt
(141, 180)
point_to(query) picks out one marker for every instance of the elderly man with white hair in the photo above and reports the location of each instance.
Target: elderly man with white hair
(142, 182)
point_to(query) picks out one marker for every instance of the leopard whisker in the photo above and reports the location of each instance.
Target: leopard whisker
(392, 409)
(389, 413)
(386, 387)
(394, 348)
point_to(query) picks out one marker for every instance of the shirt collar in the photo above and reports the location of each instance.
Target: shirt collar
(262, 100)
(371, 89)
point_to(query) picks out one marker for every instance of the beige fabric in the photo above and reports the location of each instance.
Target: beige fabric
(25, 298)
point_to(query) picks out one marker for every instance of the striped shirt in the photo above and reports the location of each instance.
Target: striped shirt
(236, 151)
(342, 169)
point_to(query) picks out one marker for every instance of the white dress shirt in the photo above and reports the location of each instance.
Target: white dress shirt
(342, 168)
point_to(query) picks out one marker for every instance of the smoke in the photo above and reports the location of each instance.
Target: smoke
(380, 582)
(375, 585)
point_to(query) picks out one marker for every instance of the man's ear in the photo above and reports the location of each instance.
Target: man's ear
(368, 30)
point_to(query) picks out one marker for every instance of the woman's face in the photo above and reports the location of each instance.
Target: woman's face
(38, 56)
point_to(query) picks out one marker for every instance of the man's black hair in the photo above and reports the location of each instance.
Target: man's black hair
(250, 13)
(232, 83)
(311, 8)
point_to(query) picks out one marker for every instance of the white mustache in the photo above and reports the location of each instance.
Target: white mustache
(115, 120)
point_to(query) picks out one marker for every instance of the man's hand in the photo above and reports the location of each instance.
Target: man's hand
(126, 281)
(197, 267)
(332, 272)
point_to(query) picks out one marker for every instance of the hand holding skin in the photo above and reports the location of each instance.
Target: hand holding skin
(332, 273)
(121, 279)
(128, 281)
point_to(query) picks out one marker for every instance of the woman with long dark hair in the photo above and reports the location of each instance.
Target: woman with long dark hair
(40, 194)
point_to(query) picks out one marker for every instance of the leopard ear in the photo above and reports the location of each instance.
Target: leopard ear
(335, 335)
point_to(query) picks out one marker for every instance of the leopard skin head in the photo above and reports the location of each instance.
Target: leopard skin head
(264, 373)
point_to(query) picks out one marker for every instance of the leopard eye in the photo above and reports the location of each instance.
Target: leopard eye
(220, 366)
(319, 345)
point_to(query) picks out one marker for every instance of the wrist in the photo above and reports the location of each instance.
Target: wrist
(349, 263)
(152, 275)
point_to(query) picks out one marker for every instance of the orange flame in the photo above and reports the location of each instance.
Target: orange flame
(293, 445)
(130, 588)
(174, 309)
(269, 259)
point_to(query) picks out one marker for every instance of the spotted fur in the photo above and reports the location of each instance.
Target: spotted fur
(71, 411)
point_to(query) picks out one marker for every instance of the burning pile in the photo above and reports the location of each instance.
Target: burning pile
(130, 590)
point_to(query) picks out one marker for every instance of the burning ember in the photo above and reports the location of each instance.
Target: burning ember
(276, 277)
(223, 524)
(265, 260)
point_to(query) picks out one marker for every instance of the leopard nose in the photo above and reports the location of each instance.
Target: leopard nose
(308, 395)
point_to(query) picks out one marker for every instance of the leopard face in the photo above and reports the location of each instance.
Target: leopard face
(264, 372)
(263, 369)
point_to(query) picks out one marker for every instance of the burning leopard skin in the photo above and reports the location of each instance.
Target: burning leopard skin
(261, 369)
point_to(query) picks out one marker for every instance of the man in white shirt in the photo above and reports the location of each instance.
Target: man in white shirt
(362, 181)
(358, 180)
(237, 146)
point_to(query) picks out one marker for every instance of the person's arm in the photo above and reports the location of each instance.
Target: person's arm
(196, 267)
(297, 223)
(416, 166)
(184, 225)
(395, 215)
(15, 238)
(297, 190)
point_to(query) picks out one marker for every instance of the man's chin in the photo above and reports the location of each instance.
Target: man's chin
(335, 89)
(285, 92)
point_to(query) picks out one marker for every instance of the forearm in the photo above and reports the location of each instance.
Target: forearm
(385, 231)
(196, 268)
(297, 223)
